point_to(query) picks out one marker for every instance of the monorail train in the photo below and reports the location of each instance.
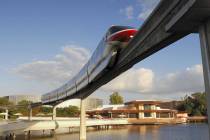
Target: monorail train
(104, 57)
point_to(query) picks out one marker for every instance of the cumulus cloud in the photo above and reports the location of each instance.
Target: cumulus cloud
(139, 80)
(186, 81)
(133, 80)
(147, 7)
(58, 70)
(145, 81)
(128, 11)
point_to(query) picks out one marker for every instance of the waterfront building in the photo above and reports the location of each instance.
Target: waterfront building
(150, 109)
(135, 109)
(15, 99)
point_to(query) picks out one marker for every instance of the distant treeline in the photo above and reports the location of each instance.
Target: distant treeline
(71, 111)
(194, 105)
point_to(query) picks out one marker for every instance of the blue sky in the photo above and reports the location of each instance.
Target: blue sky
(36, 35)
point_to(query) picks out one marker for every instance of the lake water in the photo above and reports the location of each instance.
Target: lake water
(139, 132)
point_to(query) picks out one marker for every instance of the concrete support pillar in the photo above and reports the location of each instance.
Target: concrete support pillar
(14, 136)
(52, 132)
(82, 120)
(43, 132)
(153, 114)
(153, 107)
(54, 113)
(6, 114)
(157, 115)
(169, 115)
(26, 135)
(30, 113)
(141, 115)
(204, 32)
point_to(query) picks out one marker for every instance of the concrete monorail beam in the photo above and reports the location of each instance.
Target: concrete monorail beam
(205, 52)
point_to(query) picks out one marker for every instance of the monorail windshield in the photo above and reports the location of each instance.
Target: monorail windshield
(115, 29)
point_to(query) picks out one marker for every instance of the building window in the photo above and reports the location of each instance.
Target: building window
(147, 115)
(164, 115)
(132, 115)
(147, 107)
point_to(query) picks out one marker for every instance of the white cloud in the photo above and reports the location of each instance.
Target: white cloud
(186, 81)
(141, 10)
(147, 7)
(145, 81)
(58, 70)
(129, 12)
(137, 80)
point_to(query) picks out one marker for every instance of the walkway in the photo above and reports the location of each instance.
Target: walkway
(21, 126)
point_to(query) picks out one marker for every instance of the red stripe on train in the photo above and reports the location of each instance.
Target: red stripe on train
(123, 36)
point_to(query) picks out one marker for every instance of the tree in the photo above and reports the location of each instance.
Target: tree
(71, 111)
(23, 107)
(46, 110)
(116, 98)
(24, 103)
(194, 105)
(4, 102)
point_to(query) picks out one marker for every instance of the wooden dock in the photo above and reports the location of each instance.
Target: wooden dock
(196, 119)
(157, 121)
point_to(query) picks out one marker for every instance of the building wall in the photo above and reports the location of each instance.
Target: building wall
(147, 107)
(93, 103)
(90, 103)
(142, 110)
(153, 114)
(15, 99)
(141, 114)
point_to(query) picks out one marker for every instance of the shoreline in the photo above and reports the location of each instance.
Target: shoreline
(75, 131)
(25, 127)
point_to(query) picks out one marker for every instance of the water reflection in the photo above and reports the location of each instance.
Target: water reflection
(139, 132)
(144, 132)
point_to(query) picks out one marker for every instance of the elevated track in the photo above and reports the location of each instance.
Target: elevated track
(170, 21)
